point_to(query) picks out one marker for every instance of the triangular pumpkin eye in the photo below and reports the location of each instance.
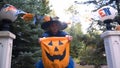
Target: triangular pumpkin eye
(50, 43)
(60, 43)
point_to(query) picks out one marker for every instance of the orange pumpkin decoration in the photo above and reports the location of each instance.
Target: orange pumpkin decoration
(55, 52)
(117, 28)
(28, 16)
(46, 18)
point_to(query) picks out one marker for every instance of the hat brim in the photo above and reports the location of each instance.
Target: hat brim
(46, 25)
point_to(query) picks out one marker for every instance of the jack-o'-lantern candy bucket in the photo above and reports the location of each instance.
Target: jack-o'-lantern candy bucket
(55, 52)
(8, 12)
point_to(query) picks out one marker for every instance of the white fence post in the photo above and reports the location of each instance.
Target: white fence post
(112, 48)
(6, 42)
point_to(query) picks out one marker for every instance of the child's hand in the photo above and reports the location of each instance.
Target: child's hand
(69, 37)
(39, 40)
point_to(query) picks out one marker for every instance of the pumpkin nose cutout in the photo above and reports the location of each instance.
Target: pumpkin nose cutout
(56, 49)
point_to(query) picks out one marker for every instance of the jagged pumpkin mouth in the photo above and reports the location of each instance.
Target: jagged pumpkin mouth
(54, 57)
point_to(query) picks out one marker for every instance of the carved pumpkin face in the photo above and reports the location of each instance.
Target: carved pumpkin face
(55, 52)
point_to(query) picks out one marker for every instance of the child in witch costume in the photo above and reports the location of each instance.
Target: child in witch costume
(53, 28)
